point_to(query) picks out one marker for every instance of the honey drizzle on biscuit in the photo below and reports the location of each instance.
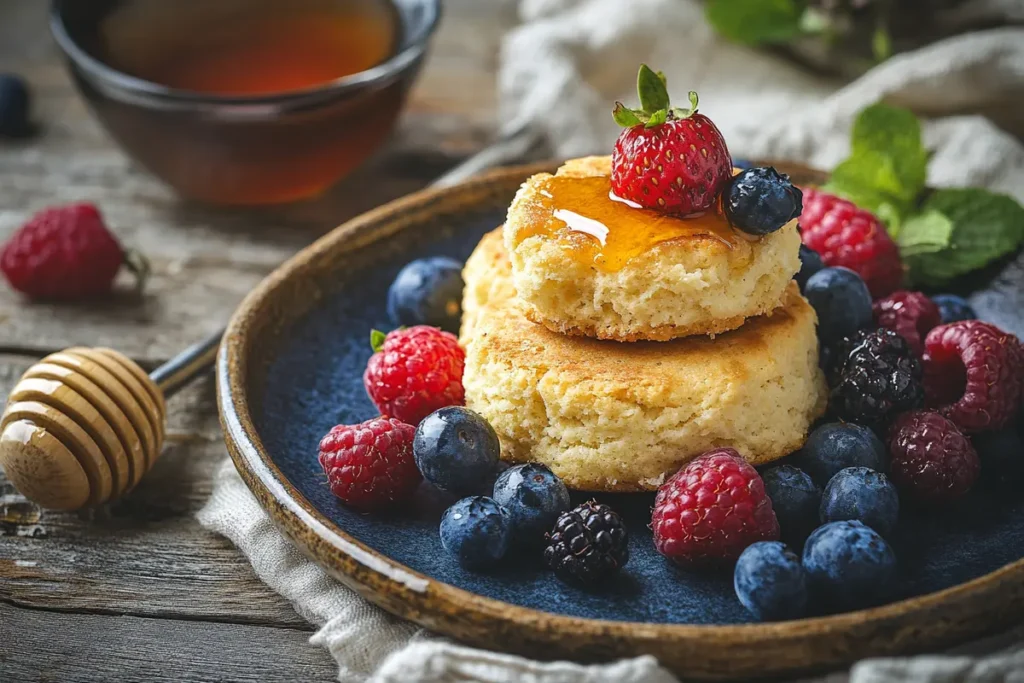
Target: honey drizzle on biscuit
(584, 215)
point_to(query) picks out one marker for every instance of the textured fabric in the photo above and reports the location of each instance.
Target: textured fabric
(560, 71)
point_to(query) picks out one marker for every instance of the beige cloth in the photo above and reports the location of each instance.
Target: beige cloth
(559, 73)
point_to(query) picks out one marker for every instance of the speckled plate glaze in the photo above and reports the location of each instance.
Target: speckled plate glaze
(291, 367)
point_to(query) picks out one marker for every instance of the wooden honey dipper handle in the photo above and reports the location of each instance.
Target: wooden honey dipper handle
(82, 426)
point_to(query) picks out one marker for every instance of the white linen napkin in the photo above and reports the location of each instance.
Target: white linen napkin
(560, 71)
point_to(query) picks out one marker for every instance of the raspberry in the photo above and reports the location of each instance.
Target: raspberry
(414, 372)
(875, 375)
(973, 374)
(909, 314)
(711, 510)
(847, 236)
(587, 545)
(370, 465)
(931, 459)
(66, 253)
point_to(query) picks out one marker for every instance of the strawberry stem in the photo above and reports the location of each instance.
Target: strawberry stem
(655, 106)
(377, 340)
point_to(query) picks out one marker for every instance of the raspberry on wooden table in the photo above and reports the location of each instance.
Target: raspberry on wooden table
(66, 253)
(845, 235)
(930, 458)
(370, 466)
(711, 510)
(911, 315)
(414, 372)
(974, 374)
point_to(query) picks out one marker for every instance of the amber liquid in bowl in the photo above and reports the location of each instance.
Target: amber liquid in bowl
(251, 48)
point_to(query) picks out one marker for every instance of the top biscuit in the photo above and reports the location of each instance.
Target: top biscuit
(585, 262)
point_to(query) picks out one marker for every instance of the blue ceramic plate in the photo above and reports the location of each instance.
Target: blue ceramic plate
(291, 369)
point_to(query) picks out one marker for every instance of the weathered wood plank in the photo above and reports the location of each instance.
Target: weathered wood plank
(36, 645)
(145, 555)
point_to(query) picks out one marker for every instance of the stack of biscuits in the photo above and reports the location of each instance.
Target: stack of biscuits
(614, 345)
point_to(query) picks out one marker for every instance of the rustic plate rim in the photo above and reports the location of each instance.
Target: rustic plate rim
(370, 572)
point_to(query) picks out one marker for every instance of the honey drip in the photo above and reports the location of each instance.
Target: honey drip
(583, 215)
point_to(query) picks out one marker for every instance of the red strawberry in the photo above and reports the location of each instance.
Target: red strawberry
(668, 159)
(66, 253)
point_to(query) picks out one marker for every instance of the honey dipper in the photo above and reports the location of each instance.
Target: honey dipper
(82, 426)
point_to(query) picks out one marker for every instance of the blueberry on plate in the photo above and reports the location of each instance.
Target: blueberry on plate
(835, 446)
(14, 106)
(476, 531)
(770, 582)
(456, 450)
(534, 497)
(862, 494)
(795, 499)
(841, 300)
(848, 566)
(953, 308)
(1002, 458)
(810, 263)
(428, 291)
(761, 200)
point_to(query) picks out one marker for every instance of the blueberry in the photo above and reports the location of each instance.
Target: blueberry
(534, 497)
(761, 200)
(795, 499)
(456, 450)
(953, 308)
(841, 300)
(810, 263)
(770, 582)
(14, 105)
(848, 565)
(837, 445)
(476, 531)
(1002, 458)
(862, 494)
(428, 291)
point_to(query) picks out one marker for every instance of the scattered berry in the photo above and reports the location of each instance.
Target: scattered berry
(712, 509)
(795, 500)
(810, 263)
(849, 565)
(931, 459)
(14, 107)
(770, 582)
(974, 374)
(66, 253)
(911, 315)
(837, 445)
(476, 531)
(534, 497)
(847, 236)
(415, 371)
(876, 375)
(428, 291)
(587, 545)
(668, 159)
(953, 308)
(759, 201)
(841, 300)
(370, 466)
(864, 495)
(1002, 458)
(457, 450)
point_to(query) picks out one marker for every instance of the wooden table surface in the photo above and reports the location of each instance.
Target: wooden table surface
(137, 590)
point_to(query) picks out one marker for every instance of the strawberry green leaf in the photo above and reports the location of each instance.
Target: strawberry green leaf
(657, 118)
(650, 87)
(377, 340)
(624, 116)
(755, 22)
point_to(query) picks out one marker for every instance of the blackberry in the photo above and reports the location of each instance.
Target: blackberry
(587, 545)
(875, 375)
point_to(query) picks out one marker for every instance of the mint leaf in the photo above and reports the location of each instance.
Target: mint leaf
(887, 164)
(982, 227)
(755, 22)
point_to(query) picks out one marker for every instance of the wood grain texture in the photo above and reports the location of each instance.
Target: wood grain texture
(85, 648)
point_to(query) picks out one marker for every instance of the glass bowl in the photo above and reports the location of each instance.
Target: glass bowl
(242, 150)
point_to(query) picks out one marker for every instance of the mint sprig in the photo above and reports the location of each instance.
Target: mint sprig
(941, 235)
(756, 22)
